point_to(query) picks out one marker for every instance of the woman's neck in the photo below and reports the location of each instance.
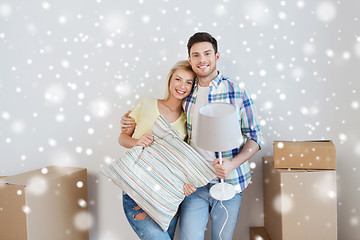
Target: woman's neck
(173, 104)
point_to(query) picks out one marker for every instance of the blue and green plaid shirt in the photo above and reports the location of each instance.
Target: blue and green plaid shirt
(225, 90)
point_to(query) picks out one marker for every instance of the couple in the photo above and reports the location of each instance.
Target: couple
(192, 84)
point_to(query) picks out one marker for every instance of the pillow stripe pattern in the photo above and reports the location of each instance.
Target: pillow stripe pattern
(154, 176)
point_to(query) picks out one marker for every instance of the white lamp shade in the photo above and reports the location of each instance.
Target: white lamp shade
(218, 127)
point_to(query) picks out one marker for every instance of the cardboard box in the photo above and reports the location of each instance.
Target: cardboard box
(48, 203)
(305, 154)
(299, 204)
(258, 233)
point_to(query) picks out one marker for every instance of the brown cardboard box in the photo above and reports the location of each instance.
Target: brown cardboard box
(305, 154)
(299, 204)
(48, 203)
(258, 233)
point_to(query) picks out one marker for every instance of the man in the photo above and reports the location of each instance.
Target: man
(212, 86)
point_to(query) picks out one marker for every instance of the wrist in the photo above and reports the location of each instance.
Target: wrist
(237, 161)
(135, 142)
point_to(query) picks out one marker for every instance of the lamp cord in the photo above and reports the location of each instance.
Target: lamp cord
(227, 217)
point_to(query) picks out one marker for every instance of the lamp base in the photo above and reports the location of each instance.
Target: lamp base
(225, 192)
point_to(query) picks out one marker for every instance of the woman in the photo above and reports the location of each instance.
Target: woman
(145, 112)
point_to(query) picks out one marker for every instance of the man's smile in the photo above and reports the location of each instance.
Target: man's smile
(203, 66)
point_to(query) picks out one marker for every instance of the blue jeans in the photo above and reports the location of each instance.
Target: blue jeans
(146, 229)
(195, 211)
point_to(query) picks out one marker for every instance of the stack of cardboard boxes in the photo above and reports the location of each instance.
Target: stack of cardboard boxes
(48, 203)
(300, 191)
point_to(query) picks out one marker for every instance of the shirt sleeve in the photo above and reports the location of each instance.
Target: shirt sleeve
(249, 124)
(136, 111)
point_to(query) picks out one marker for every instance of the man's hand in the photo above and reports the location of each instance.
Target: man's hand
(126, 121)
(223, 170)
(189, 189)
(145, 140)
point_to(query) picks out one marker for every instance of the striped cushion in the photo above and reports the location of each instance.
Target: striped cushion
(154, 176)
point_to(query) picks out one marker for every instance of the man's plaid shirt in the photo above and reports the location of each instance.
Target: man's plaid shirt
(224, 90)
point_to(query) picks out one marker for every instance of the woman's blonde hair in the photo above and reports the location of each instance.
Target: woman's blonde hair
(184, 64)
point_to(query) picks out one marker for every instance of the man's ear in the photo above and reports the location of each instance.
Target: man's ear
(189, 59)
(217, 56)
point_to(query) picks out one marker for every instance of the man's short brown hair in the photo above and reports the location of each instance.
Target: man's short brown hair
(202, 37)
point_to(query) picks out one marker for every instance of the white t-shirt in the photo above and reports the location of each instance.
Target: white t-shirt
(201, 100)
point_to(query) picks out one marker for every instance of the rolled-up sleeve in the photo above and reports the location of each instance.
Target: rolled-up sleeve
(249, 121)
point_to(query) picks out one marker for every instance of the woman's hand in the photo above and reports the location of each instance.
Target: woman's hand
(189, 189)
(145, 140)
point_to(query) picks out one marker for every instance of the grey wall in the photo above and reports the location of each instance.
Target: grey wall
(70, 69)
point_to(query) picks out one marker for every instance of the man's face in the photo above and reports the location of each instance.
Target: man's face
(203, 60)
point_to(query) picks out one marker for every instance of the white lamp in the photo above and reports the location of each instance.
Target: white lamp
(219, 130)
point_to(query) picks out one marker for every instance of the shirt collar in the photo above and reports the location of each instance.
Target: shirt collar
(216, 82)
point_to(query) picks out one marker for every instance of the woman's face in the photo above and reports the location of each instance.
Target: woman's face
(181, 83)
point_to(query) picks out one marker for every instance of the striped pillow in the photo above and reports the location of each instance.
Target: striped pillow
(154, 176)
